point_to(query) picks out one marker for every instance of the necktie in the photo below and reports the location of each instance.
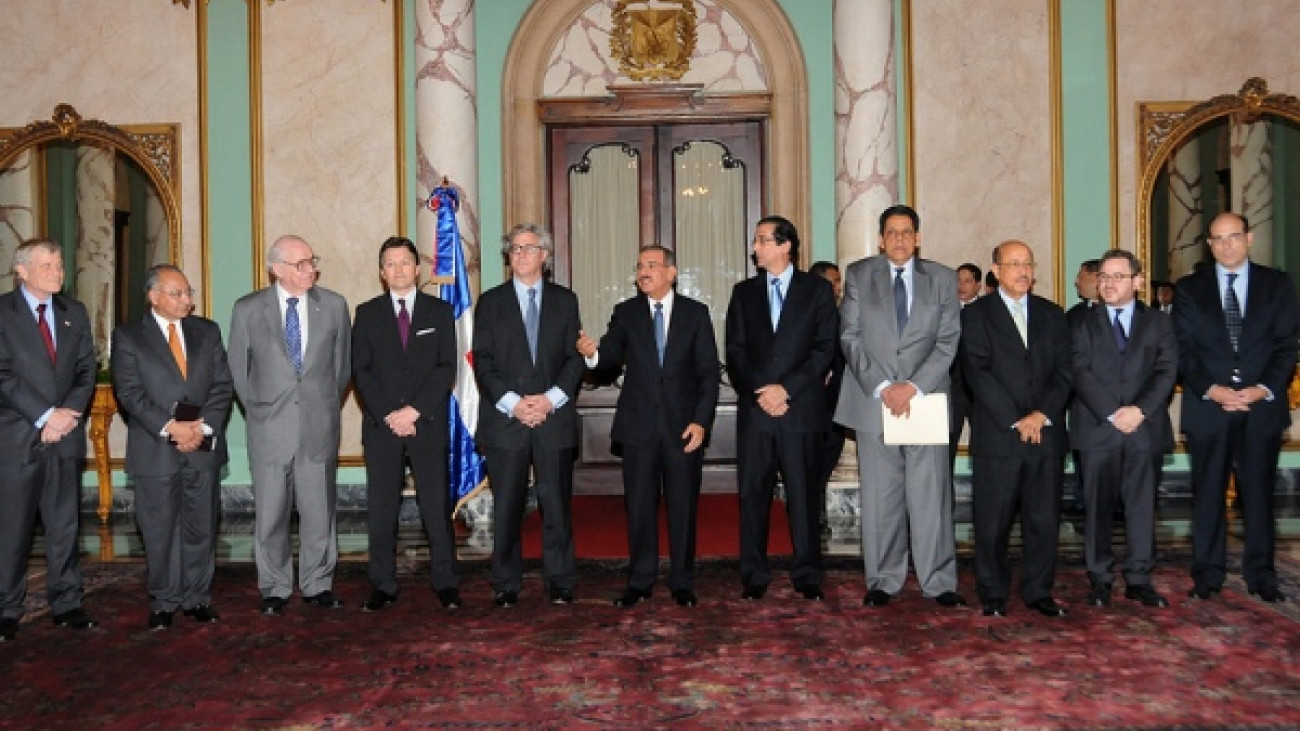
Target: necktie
(174, 345)
(403, 322)
(660, 335)
(900, 299)
(293, 334)
(531, 323)
(1121, 337)
(778, 301)
(1232, 311)
(1022, 324)
(46, 335)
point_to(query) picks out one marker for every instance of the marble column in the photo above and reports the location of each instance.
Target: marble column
(866, 145)
(157, 239)
(1252, 184)
(96, 248)
(446, 119)
(1186, 209)
(17, 212)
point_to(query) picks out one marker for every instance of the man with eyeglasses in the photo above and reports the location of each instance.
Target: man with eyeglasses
(1236, 325)
(901, 326)
(1015, 350)
(173, 384)
(1125, 365)
(528, 369)
(290, 356)
(664, 343)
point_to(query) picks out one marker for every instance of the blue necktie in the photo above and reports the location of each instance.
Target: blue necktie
(1121, 337)
(777, 302)
(660, 335)
(900, 299)
(1232, 311)
(531, 322)
(293, 334)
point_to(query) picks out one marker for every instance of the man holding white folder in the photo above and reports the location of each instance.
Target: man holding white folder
(900, 328)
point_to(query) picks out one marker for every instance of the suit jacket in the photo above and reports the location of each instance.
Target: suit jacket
(684, 388)
(284, 409)
(1266, 353)
(30, 385)
(503, 364)
(874, 349)
(148, 384)
(388, 377)
(1009, 380)
(797, 355)
(1105, 379)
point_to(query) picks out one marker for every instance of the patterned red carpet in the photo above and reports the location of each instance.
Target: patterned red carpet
(782, 662)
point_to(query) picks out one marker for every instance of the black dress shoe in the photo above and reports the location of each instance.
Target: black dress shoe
(1047, 607)
(685, 598)
(449, 597)
(8, 629)
(74, 619)
(378, 600)
(1146, 594)
(1270, 594)
(202, 613)
(876, 598)
(631, 597)
(1203, 591)
(160, 620)
(273, 605)
(324, 600)
(560, 597)
(505, 598)
(753, 592)
(995, 608)
(811, 592)
(950, 599)
(1099, 595)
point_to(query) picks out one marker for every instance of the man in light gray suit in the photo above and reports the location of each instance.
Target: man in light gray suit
(901, 326)
(290, 359)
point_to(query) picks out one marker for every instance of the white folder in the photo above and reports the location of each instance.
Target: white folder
(927, 422)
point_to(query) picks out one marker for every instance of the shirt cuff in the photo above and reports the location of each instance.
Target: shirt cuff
(557, 397)
(507, 403)
(1268, 391)
(593, 361)
(40, 423)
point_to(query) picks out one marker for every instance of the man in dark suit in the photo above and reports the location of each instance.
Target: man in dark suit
(969, 289)
(1125, 365)
(404, 364)
(47, 378)
(1015, 350)
(290, 350)
(174, 388)
(832, 446)
(665, 411)
(1236, 324)
(782, 333)
(528, 368)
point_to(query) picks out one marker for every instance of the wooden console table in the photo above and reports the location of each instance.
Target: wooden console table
(102, 410)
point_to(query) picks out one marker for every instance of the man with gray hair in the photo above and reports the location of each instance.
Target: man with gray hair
(47, 379)
(290, 357)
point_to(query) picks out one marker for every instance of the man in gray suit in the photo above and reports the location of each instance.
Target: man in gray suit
(173, 384)
(900, 332)
(47, 378)
(290, 358)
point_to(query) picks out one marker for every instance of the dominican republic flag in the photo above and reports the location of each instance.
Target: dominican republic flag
(464, 462)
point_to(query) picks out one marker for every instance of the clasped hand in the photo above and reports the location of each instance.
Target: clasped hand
(187, 435)
(531, 411)
(773, 399)
(1236, 400)
(402, 421)
(60, 424)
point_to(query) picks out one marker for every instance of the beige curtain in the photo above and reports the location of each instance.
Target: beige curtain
(604, 217)
(709, 221)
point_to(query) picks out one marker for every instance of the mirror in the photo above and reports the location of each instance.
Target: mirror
(1237, 153)
(109, 195)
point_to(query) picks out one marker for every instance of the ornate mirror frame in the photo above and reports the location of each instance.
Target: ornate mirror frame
(155, 148)
(1164, 126)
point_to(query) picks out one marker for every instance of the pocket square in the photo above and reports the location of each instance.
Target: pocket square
(425, 331)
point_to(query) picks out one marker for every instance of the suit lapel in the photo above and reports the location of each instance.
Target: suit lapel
(26, 326)
(156, 342)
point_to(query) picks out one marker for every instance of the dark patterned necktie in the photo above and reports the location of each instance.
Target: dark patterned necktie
(293, 334)
(1232, 312)
(403, 322)
(1121, 337)
(660, 335)
(900, 299)
(531, 322)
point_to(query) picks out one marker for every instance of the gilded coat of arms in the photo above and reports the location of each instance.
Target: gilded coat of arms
(653, 39)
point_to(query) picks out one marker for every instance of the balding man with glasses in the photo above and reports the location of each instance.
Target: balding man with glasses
(290, 356)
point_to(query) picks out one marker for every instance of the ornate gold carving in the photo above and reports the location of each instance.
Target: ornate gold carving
(653, 39)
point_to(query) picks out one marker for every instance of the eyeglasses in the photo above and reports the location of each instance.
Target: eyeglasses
(177, 294)
(310, 264)
(1231, 238)
(525, 249)
(1017, 265)
(1115, 277)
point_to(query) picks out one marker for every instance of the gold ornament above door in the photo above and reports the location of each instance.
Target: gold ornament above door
(653, 39)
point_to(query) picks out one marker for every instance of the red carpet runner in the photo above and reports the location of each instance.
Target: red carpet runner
(600, 528)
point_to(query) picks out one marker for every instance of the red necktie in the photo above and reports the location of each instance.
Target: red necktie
(45, 330)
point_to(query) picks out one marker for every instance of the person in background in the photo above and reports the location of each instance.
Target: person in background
(1085, 286)
(1163, 298)
(968, 290)
(833, 445)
